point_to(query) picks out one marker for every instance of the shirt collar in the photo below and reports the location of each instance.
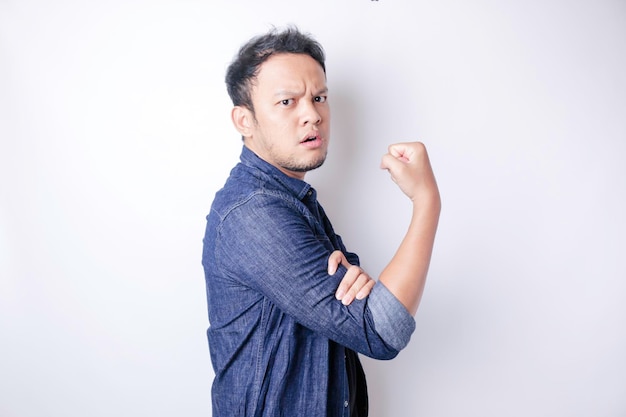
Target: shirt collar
(299, 188)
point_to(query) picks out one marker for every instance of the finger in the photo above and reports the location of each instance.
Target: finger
(391, 162)
(393, 166)
(407, 151)
(348, 280)
(336, 258)
(358, 284)
(399, 151)
(366, 290)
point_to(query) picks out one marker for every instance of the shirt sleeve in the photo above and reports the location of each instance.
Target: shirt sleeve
(392, 320)
(276, 248)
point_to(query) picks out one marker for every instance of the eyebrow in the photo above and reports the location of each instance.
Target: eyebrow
(283, 93)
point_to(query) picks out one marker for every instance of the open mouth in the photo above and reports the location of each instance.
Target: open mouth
(311, 137)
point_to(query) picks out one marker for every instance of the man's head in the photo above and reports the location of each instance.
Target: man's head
(242, 72)
(278, 86)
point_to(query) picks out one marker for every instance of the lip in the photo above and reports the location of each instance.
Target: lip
(316, 143)
(312, 134)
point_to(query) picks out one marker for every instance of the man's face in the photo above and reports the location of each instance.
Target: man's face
(291, 123)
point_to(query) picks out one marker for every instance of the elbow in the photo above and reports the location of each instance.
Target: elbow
(384, 350)
(383, 355)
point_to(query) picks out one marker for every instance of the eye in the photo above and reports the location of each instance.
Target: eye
(320, 99)
(287, 101)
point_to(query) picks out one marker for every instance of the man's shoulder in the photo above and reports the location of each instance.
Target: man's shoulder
(247, 187)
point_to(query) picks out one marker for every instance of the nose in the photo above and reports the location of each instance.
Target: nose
(311, 115)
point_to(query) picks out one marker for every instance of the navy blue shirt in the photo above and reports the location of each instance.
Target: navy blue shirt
(281, 344)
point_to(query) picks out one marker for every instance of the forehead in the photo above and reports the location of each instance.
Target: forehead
(290, 71)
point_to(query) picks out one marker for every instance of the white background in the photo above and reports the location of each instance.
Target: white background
(115, 134)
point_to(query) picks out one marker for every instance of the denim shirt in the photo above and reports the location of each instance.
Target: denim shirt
(281, 344)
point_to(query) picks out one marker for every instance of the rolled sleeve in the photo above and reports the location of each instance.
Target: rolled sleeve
(392, 321)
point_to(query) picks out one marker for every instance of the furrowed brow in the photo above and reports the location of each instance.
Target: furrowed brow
(287, 93)
(299, 93)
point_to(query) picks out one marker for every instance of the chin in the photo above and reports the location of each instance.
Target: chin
(306, 167)
(317, 163)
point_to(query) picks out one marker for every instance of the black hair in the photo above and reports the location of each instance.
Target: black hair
(244, 69)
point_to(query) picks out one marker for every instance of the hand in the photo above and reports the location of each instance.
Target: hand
(410, 168)
(355, 284)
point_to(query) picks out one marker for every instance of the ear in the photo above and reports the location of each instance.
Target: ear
(242, 119)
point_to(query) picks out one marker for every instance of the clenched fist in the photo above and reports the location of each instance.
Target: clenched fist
(409, 167)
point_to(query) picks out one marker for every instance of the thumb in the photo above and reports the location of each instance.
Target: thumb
(334, 260)
(392, 163)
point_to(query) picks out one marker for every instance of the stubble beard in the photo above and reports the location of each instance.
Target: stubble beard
(290, 162)
(292, 165)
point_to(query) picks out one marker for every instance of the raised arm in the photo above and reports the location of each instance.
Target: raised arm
(410, 169)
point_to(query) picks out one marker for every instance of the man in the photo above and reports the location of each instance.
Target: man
(289, 308)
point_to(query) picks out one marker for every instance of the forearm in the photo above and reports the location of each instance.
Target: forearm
(405, 275)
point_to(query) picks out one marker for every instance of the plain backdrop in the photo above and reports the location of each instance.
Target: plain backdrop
(115, 134)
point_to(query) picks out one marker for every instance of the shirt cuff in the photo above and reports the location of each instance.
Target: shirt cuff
(393, 322)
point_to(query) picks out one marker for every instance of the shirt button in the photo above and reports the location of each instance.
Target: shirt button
(345, 403)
